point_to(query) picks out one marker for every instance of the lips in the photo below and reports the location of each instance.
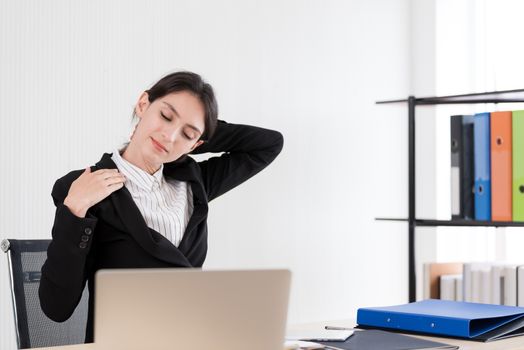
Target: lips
(158, 145)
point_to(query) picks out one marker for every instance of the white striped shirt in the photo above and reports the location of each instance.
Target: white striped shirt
(166, 205)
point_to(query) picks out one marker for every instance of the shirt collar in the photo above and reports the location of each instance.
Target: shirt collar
(137, 176)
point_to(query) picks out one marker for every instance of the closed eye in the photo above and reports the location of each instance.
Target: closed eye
(164, 116)
(189, 137)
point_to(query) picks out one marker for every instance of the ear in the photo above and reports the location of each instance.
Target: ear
(142, 104)
(198, 143)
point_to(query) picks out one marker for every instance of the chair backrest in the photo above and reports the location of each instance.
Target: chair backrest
(33, 327)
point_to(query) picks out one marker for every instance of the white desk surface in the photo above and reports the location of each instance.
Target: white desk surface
(516, 343)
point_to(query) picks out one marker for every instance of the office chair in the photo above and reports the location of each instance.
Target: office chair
(33, 328)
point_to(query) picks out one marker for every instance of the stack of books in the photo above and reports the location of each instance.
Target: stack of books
(481, 282)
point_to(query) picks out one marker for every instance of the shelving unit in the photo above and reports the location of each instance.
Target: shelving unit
(508, 96)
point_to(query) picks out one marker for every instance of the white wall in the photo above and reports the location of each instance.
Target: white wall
(475, 52)
(460, 46)
(72, 70)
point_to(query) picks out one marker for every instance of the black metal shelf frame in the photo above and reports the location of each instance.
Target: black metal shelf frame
(506, 96)
(435, 223)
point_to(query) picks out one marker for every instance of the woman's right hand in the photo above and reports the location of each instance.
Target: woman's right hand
(92, 187)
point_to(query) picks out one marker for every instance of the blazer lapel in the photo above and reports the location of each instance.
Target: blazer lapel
(186, 169)
(134, 222)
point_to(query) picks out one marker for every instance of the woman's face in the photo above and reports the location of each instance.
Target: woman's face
(169, 127)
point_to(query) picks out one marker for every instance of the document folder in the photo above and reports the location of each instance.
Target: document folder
(462, 167)
(482, 152)
(456, 155)
(467, 168)
(484, 322)
(501, 143)
(381, 340)
(518, 165)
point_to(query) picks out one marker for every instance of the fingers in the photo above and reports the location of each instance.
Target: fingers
(110, 176)
(103, 172)
(99, 173)
(107, 179)
(115, 180)
(114, 185)
(93, 186)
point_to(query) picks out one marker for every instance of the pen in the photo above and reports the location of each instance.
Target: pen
(326, 347)
(333, 328)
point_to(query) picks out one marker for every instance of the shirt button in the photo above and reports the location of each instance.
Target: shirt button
(88, 231)
(84, 238)
(82, 245)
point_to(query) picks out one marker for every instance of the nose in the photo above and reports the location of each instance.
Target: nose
(170, 133)
(170, 136)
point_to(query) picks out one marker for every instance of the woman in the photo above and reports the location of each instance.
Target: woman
(146, 204)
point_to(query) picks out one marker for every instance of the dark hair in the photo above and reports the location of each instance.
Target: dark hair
(191, 82)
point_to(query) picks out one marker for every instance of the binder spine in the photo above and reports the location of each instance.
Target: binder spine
(501, 166)
(518, 165)
(413, 322)
(456, 167)
(467, 168)
(482, 167)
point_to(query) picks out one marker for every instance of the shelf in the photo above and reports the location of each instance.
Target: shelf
(506, 96)
(391, 219)
(435, 223)
(424, 222)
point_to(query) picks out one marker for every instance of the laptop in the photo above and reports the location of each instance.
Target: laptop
(191, 309)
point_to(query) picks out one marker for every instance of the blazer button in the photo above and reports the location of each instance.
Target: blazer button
(88, 231)
(82, 245)
(84, 238)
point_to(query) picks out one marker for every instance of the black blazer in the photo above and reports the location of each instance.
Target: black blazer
(114, 234)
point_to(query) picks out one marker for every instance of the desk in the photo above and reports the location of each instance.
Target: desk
(516, 343)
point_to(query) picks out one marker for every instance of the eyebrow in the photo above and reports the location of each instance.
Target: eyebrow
(170, 106)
